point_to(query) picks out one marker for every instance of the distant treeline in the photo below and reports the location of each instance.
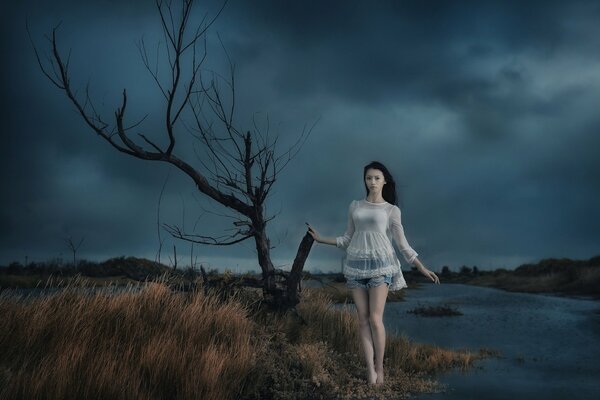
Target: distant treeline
(545, 266)
(120, 270)
(551, 275)
(130, 267)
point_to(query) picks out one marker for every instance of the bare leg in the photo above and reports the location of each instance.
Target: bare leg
(377, 297)
(361, 299)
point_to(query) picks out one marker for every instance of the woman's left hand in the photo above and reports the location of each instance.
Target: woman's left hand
(430, 274)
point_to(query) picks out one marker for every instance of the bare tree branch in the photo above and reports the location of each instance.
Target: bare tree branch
(210, 240)
(241, 165)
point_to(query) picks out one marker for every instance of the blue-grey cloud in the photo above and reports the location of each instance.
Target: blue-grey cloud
(484, 111)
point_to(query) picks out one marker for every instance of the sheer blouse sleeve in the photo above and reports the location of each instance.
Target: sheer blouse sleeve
(343, 242)
(397, 230)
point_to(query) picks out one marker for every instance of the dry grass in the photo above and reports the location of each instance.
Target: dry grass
(152, 342)
(40, 280)
(339, 327)
(321, 358)
(146, 344)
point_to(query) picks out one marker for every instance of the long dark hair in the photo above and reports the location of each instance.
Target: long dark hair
(389, 189)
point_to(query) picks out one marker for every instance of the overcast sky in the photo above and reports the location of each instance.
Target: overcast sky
(486, 113)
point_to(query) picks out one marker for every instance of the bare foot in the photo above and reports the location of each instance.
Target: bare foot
(372, 377)
(379, 380)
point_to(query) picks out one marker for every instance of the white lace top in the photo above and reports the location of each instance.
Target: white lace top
(369, 250)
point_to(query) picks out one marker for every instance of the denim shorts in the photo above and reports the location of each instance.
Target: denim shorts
(366, 283)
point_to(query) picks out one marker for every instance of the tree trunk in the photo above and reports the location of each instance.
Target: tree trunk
(281, 289)
(294, 279)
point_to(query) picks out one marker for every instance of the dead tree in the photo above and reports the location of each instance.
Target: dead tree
(241, 165)
(74, 247)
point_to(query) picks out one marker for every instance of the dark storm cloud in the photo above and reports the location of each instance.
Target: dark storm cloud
(484, 111)
(374, 52)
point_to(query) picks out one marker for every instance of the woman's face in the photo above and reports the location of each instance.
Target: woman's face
(374, 180)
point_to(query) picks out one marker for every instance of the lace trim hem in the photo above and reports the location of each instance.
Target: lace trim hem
(361, 273)
(372, 263)
(398, 283)
(380, 252)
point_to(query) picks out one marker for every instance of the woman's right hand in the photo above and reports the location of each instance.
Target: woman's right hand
(313, 232)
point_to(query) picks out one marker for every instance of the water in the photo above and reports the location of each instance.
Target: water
(549, 345)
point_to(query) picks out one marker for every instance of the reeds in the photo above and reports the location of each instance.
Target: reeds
(146, 344)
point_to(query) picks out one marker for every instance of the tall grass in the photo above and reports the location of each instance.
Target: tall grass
(322, 353)
(151, 342)
(339, 327)
(145, 344)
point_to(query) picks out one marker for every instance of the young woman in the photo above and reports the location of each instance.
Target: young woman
(371, 267)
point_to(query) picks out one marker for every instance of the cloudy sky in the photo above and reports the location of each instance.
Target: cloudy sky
(486, 113)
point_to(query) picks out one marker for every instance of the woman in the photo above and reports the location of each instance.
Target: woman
(371, 260)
